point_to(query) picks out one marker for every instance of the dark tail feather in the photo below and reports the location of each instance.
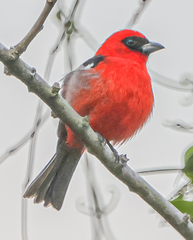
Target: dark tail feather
(52, 182)
(59, 184)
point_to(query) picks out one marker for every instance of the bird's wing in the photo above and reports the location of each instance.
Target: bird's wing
(79, 79)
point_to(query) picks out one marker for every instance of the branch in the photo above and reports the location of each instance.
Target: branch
(80, 126)
(178, 125)
(185, 85)
(160, 170)
(18, 49)
(136, 16)
(96, 209)
(24, 140)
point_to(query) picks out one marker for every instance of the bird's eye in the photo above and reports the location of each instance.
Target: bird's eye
(130, 42)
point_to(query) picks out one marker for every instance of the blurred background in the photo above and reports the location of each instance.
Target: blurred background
(158, 145)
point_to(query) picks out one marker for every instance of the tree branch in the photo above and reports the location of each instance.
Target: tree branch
(160, 170)
(135, 18)
(25, 139)
(80, 126)
(18, 49)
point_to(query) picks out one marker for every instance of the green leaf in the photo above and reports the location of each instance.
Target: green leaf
(58, 15)
(188, 159)
(183, 205)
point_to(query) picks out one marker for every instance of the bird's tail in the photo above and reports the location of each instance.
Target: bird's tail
(52, 182)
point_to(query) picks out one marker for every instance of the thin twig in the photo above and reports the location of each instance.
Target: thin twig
(136, 16)
(93, 202)
(37, 27)
(29, 170)
(161, 170)
(24, 232)
(170, 83)
(178, 125)
(96, 209)
(66, 25)
(24, 140)
(74, 8)
(69, 53)
(87, 37)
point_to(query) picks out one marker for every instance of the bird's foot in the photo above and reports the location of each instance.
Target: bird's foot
(105, 141)
(117, 157)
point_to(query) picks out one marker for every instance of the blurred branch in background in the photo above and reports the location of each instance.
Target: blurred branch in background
(182, 85)
(139, 11)
(160, 170)
(25, 139)
(30, 165)
(185, 85)
(96, 208)
(178, 125)
(69, 28)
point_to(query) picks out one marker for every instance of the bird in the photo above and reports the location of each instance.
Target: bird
(113, 89)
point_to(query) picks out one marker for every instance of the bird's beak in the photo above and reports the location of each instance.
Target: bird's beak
(151, 47)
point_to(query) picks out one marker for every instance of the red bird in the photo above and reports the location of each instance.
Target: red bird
(114, 90)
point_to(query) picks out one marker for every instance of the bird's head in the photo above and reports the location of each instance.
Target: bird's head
(125, 43)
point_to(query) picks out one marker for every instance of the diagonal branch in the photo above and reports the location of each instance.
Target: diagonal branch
(80, 126)
(138, 13)
(24, 140)
(18, 49)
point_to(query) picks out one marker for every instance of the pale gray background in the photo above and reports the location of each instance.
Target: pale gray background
(167, 22)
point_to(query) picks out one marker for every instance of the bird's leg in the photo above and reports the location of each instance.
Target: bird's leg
(105, 141)
(117, 157)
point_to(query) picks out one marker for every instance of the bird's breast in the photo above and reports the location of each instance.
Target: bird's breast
(125, 103)
(118, 101)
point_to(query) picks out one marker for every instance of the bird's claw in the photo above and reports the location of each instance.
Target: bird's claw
(104, 141)
(117, 157)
